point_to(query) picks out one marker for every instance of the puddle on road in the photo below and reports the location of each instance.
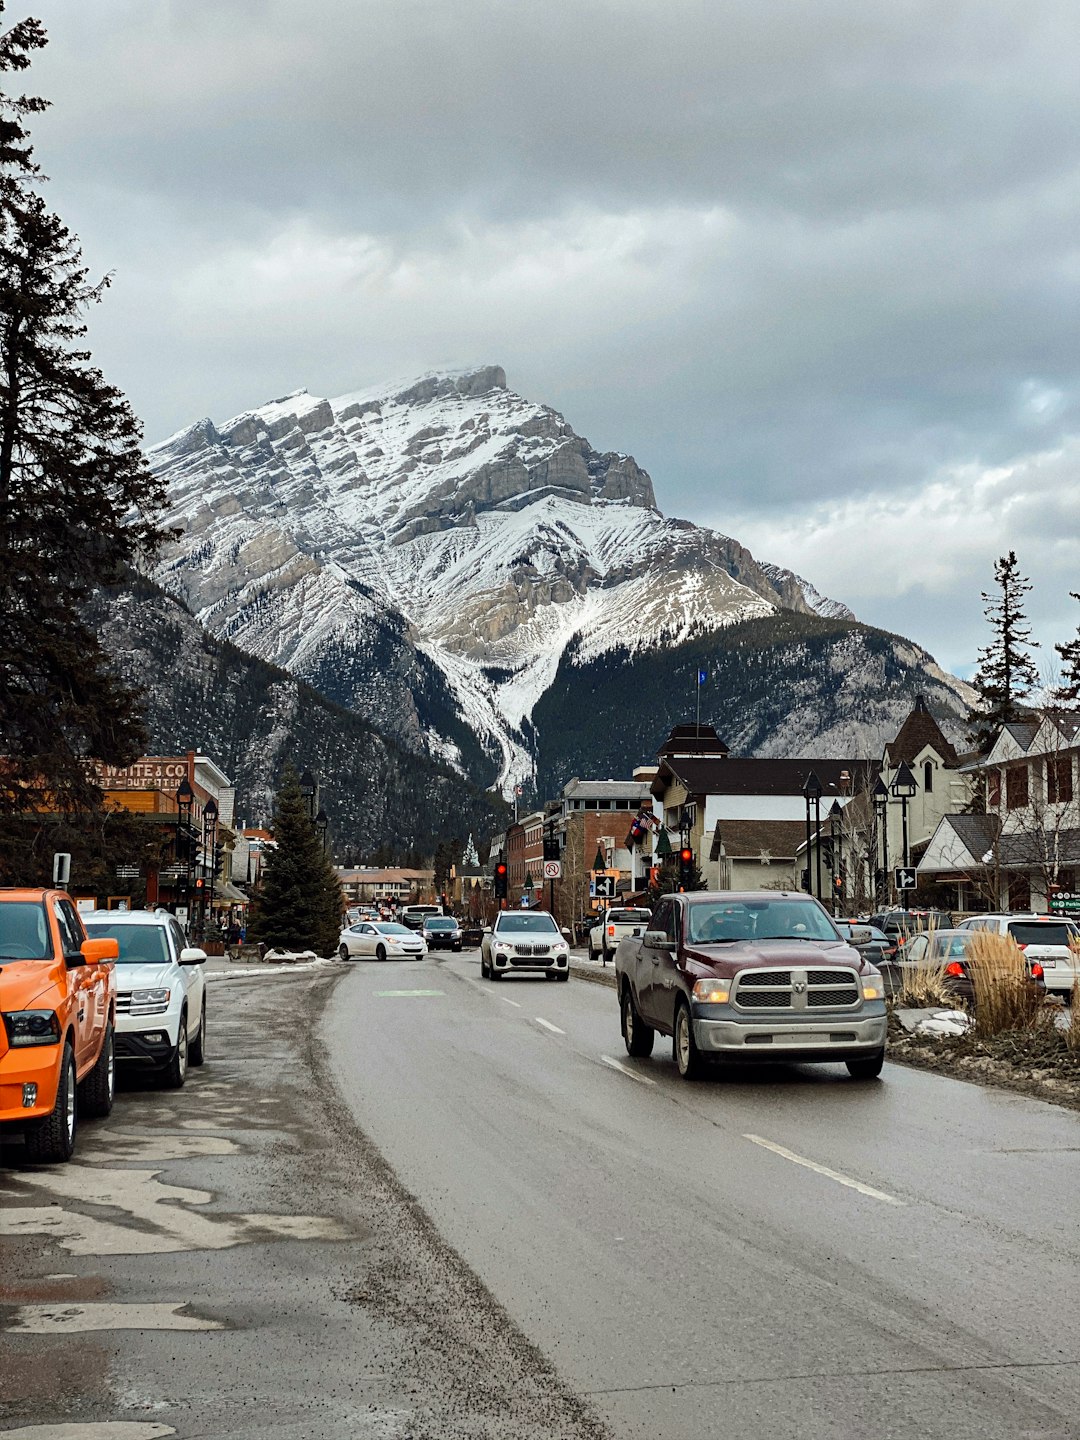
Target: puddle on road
(156, 1218)
(78, 1319)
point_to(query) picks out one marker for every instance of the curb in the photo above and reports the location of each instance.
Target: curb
(594, 976)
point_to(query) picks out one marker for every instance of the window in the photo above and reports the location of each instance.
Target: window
(1059, 787)
(70, 938)
(138, 944)
(928, 776)
(24, 932)
(664, 919)
(1020, 893)
(1016, 787)
(993, 789)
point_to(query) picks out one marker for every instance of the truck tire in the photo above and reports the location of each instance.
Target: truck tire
(868, 1067)
(51, 1140)
(97, 1090)
(637, 1036)
(197, 1047)
(176, 1070)
(688, 1059)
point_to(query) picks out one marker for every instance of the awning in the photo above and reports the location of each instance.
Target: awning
(226, 893)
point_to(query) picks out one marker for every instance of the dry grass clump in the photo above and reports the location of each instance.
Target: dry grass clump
(924, 985)
(1072, 1032)
(1005, 998)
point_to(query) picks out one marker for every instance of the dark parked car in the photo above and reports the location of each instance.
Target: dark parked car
(879, 949)
(442, 932)
(747, 976)
(901, 925)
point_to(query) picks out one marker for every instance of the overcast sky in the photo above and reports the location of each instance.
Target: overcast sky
(816, 266)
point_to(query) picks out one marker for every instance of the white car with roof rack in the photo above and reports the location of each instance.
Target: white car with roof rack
(1049, 939)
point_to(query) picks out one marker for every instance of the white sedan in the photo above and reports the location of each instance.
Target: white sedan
(381, 939)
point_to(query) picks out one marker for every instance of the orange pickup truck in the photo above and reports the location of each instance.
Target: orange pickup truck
(57, 1011)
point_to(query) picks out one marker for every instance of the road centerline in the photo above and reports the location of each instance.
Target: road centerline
(824, 1170)
(549, 1026)
(507, 1001)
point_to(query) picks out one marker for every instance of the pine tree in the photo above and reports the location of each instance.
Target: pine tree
(1006, 673)
(300, 900)
(1067, 693)
(77, 500)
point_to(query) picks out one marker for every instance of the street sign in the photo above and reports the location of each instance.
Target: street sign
(1066, 904)
(127, 872)
(552, 869)
(605, 887)
(61, 869)
(905, 878)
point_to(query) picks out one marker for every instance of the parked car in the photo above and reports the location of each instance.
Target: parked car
(160, 991)
(948, 949)
(414, 915)
(877, 947)
(58, 1007)
(901, 925)
(525, 940)
(746, 976)
(1045, 938)
(604, 937)
(383, 939)
(442, 932)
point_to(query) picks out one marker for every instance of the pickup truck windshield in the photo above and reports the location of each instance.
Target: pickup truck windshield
(24, 931)
(716, 922)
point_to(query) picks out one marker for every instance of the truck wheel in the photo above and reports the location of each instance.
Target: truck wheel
(51, 1141)
(687, 1056)
(176, 1070)
(97, 1090)
(637, 1036)
(868, 1068)
(197, 1047)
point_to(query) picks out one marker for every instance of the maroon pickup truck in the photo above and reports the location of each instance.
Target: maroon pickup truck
(750, 976)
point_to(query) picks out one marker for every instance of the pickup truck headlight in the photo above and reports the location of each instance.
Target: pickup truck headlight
(873, 987)
(712, 992)
(150, 1002)
(32, 1027)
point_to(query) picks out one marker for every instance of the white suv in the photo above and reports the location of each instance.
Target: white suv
(524, 940)
(160, 991)
(1044, 938)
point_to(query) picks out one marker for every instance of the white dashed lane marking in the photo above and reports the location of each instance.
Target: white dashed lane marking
(846, 1180)
(625, 1070)
(549, 1026)
(105, 1430)
(507, 1001)
(61, 1319)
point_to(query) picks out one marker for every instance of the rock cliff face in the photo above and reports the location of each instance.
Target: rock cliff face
(426, 554)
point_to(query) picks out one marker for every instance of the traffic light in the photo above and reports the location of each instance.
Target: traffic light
(200, 883)
(686, 868)
(500, 880)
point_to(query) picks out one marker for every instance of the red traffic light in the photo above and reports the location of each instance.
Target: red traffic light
(200, 883)
(686, 855)
(500, 869)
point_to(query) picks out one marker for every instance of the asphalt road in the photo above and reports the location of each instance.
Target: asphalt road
(783, 1253)
(235, 1259)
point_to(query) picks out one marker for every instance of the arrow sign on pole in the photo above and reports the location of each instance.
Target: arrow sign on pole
(905, 878)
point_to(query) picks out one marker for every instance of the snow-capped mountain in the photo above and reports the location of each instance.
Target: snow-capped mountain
(427, 553)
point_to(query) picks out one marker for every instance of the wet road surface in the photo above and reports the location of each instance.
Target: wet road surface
(777, 1253)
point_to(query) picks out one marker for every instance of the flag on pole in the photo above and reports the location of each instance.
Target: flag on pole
(702, 676)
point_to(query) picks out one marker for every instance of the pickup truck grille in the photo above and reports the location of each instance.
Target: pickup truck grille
(793, 989)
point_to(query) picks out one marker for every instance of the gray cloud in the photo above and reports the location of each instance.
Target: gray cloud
(795, 258)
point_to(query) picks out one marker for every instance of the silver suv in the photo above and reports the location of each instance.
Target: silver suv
(1045, 938)
(525, 940)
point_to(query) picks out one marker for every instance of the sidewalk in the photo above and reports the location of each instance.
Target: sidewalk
(582, 967)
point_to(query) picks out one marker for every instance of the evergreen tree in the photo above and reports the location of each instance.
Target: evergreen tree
(667, 880)
(1067, 693)
(300, 901)
(77, 500)
(1006, 673)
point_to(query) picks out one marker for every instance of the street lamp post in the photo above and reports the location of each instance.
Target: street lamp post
(836, 834)
(185, 798)
(904, 788)
(880, 797)
(812, 795)
(309, 789)
(210, 826)
(322, 825)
